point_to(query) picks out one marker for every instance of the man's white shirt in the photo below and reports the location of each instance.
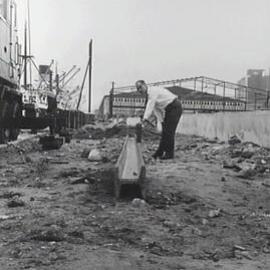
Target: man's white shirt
(158, 99)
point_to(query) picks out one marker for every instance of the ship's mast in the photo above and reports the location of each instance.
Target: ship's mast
(29, 40)
(25, 57)
(90, 75)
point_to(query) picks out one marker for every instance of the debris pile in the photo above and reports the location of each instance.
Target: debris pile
(98, 132)
(245, 158)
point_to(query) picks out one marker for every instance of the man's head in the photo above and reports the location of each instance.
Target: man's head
(141, 86)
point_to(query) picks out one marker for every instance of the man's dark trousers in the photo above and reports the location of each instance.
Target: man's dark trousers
(173, 113)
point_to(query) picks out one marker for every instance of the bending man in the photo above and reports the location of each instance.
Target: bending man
(168, 110)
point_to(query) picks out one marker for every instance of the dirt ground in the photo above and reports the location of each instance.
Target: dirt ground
(209, 208)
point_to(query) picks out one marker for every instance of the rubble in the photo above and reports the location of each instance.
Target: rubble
(72, 218)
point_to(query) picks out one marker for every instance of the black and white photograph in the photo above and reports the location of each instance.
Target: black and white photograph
(134, 135)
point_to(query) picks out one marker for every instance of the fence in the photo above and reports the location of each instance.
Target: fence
(202, 94)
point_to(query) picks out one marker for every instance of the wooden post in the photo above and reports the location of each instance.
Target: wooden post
(90, 75)
(111, 99)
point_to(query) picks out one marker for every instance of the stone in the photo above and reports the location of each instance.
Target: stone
(233, 140)
(247, 174)
(15, 202)
(247, 153)
(223, 179)
(231, 165)
(138, 203)
(52, 234)
(95, 155)
(214, 213)
(85, 153)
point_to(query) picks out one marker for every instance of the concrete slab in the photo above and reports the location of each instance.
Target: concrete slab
(130, 167)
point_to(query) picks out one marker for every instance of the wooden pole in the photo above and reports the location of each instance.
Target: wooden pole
(90, 75)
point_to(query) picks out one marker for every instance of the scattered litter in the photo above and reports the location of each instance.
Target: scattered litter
(78, 181)
(4, 217)
(214, 213)
(239, 248)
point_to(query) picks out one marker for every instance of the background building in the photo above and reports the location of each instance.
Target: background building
(258, 83)
(132, 103)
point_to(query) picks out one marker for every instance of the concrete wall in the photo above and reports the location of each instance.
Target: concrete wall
(249, 126)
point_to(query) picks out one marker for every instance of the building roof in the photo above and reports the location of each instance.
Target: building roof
(188, 94)
(182, 93)
(133, 94)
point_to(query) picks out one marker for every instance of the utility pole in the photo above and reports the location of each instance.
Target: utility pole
(111, 99)
(25, 56)
(29, 41)
(90, 75)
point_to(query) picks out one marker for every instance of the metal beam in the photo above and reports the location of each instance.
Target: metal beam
(130, 168)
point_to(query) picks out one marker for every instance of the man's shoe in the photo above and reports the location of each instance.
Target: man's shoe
(165, 157)
(157, 155)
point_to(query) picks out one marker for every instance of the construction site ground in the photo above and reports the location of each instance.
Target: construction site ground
(206, 209)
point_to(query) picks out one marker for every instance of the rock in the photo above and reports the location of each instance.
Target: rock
(138, 203)
(247, 154)
(212, 141)
(28, 159)
(231, 165)
(263, 162)
(193, 145)
(236, 247)
(233, 140)
(197, 231)
(266, 183)
(242, 254)
(214, 213)
(95, 155)
(248, 167)
(218, 149)
(223, 179)
(4, 217)
(10, 195)
(105, 160)
(236, 153)
(85, 153)
(204, 221)
(169, 224)
(247, 173)
(78, 181)
(53, 234)
(76, 234)
(15, 202)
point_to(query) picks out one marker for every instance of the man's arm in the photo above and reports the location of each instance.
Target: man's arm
(149, 109)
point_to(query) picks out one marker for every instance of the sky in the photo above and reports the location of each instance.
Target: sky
(152, 40)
